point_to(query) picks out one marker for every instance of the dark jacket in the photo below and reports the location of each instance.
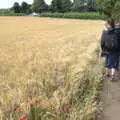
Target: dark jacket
(117, 31)
(106, 35)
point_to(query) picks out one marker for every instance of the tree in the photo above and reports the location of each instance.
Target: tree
(116, 11)
(83, 5)
(110, 8)
(16, 7)
(56, 6)
(29, 10)
(79, 5)
(66, 5)
(24, 7)
(90, 5)
(61, 5)
(40, 6)
(104, 6)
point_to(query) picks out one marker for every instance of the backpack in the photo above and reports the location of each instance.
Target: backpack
(111, 42)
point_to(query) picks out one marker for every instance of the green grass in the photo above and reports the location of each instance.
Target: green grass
(75, 15)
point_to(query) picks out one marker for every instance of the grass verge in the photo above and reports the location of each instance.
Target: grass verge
(87, 99)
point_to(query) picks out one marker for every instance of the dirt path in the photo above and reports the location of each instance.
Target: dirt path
(112, 100)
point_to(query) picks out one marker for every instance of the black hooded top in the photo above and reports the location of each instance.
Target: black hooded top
(106, 35)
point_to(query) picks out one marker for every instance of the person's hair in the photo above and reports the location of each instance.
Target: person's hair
(111, 22)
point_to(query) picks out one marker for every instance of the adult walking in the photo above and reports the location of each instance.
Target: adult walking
(110, 49)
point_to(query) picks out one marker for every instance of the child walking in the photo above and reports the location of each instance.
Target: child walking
(110, 49)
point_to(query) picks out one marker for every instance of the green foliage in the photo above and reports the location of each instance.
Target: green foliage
(110, 8)
(83, 5)
(29, 10)
(25, 8)
(116, 11)
(90, 4)
(78, 5)
(66, 5)
(40, 6)
(16, 7)
(61, 5)
(56, 6)
(36, 113)
(74, 15)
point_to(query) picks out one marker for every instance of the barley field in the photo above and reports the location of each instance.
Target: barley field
(41, 63)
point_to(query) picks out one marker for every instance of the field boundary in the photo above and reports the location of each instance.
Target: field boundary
(93, 75)
(75, 15)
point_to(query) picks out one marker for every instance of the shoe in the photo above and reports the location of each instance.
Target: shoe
(107, 74)
(113, 78)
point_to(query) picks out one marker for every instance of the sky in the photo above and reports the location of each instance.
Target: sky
(9, 3)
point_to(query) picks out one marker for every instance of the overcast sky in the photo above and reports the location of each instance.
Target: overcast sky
(9, 3)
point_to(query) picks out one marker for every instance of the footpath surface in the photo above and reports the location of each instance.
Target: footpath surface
(112, 100)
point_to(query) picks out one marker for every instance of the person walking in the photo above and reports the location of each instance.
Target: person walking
(110, 49)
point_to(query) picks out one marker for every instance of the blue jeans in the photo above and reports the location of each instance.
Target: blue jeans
(112, 60)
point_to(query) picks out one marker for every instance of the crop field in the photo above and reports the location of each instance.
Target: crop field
(41, 63)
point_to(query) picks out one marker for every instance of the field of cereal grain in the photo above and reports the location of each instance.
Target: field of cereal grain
(39, 58)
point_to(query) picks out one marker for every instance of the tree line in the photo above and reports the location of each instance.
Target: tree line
(110, 8)
(61, 6)
(23, 8)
